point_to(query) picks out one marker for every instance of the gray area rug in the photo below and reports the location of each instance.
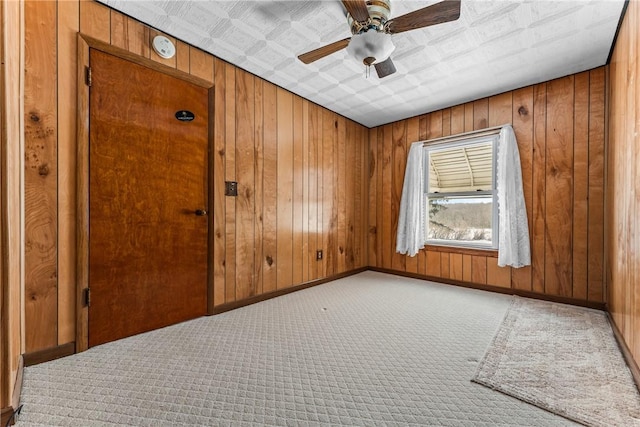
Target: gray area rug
(563, 359)
(367, 350)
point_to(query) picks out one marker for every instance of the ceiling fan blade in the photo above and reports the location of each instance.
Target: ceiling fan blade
(357, 9)
(323, 51)
(445, 11)
(385, 68)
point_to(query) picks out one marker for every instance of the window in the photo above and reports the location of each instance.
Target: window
(461, 194)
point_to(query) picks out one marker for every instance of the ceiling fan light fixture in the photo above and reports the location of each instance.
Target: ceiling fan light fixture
(370, 44)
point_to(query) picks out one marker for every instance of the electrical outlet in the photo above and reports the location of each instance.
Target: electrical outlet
(231, 188)
(319, 255)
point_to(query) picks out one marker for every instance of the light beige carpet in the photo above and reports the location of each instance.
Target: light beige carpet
(367, 350)
(563, 359)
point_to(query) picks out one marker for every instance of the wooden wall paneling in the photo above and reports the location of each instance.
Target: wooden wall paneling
(40, 177)
(479, 269)
(539, 187)
(200, 63)
(522, 120)
(306, 260)
(230, 175)
(446, 122)
(118, 27)
(320, 241)
(298, 192)
(387, 248)
(500, 109)
(559, 176)
(138, 38)
(468, 117)
(466, 268)
(457, 119)
(341, 193)
(284, 255)
(258, 182)
(596, 201)
(498, 276)
(434, 130)
(433, 263)
(456, 267)
(68, 27)
(481, 114)
(170, 62)
(413, 130)
(270, 190)
(314, 146)
(183, 62)
(365, 211)
(351, 166)
(445, 265)
(245, 175)
(373, 206)
(219, 199)
(328, 126)
(580, 184)
(399, 161)
(95, 20)
(423, 132)
(332, 244)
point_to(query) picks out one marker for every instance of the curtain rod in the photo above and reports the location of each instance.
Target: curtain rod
(479, 132)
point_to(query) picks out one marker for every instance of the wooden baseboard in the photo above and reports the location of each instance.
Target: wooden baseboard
(497, 289)
(626, 353)
(7, 413)
(49, 354)
(258, 298)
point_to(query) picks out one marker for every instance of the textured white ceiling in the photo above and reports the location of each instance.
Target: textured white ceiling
(494, 47)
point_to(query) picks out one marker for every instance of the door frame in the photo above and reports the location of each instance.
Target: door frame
(85, 44)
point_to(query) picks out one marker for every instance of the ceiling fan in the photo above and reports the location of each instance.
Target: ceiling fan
(371, 31)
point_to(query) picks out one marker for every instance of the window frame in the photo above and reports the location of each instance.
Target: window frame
(472, 140)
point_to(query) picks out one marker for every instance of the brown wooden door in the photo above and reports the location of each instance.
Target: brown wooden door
(147, 177)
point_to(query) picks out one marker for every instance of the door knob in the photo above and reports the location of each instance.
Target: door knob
(201, 212)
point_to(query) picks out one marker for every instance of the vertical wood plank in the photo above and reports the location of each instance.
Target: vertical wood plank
(387, 201)
(457, 119)
(230, 175)
(580, 184)
(479, 269)
(259, 185)
(285, 184)
(413, 129)
(219, 201)
(379, 190)
(480, 114)
(559, 177)
(539, 187)
(68, 27)
(372, 238)
(200, 63)
(118, 31)
(466, 268)
(468, 117)
(95, 20)
(456, 266)
(398, 163)
(298, 192)
(328, 159)
(182, 58)
(501, 109)
(498, 276)
(314, 200)
(138, 38)
(433, 264)
(305, 188)
(40, 177)
(597, 126)
(352, 169)
(270, 190)
(423, 132)
(523, 127)
(445, 264)
(341, 174)
(245, 201)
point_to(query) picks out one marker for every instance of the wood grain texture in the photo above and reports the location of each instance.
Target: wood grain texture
(269, 189)
(297, 193)
(95, 20)
(545, 119)
(68, 27)
(219, 201)
(285, 189)
(230, 175)
(40, 177)
(623, 182)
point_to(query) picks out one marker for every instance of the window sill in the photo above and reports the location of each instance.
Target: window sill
(493, 253)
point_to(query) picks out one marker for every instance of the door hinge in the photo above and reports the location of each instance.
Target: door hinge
(87, 297)
(88, 76)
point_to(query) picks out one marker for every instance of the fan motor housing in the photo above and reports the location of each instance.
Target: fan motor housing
(379, 12)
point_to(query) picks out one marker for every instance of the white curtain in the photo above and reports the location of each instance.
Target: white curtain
(513, 231)
(410, 236)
